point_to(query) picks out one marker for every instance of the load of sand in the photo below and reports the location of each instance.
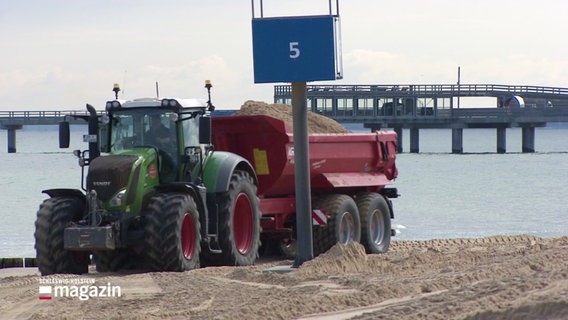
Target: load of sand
(316, 122)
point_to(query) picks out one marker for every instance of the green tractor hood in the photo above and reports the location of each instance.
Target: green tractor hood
(123, 178)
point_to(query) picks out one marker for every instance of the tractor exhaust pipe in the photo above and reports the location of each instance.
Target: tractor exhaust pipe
(93, 137)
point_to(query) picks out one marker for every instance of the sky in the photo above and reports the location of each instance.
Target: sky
(62, 54)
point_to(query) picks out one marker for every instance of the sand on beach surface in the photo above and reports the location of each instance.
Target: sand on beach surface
(498, 277)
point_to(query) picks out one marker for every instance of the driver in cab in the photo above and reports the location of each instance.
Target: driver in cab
(158, 135)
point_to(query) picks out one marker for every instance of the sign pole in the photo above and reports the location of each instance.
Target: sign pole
(304, 243)
(297, 50)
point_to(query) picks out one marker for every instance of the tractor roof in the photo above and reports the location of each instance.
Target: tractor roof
(155, 102)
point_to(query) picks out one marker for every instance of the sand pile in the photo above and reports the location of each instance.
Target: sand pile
(341, 258)
(316, 123)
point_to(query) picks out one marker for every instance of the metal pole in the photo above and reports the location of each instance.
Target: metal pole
(336, 8)
(304, 244)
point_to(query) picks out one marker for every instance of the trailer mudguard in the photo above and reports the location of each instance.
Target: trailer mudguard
(218, 168)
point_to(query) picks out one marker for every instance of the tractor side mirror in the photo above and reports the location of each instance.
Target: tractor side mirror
(64, 134)
(205, 130)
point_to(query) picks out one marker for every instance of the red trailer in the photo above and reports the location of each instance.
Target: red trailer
(348, 175)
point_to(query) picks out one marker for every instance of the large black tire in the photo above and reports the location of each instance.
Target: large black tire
(375, 222)
(343, 224)
(172, 233)
(53, 217)
(239, 222)
(115, 260)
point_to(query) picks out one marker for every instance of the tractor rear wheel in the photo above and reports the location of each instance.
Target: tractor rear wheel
(53, 217)
(343, 224)
(173, 233)
(375, 222)
(239, 222)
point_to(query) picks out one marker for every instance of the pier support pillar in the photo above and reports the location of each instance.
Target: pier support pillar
(414, 140)
(457, 140)
(12, 136)
(398, 139)
(501, 140)
(528, 139)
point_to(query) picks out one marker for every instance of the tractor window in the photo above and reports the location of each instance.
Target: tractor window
(122, 132)
(191, 132)
(159, 131)
(142, 127)
(190, 142)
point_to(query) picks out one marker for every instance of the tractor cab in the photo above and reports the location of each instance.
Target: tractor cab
(169, 128)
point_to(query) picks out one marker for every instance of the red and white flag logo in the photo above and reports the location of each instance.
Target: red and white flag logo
(45, 292)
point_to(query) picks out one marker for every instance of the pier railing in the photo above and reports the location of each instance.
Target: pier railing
(38, 117)
(425, 90)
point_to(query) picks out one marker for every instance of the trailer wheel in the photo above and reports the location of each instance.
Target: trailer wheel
(343, 224)
(239, 222)
(375, 222)
(172, 233)
(53, 217)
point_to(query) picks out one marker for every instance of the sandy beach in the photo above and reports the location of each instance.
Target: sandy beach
(500, 277)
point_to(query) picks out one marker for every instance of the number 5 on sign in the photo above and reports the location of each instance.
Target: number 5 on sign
(294, 50)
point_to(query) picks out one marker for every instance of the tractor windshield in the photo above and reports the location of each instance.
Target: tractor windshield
(142, 127)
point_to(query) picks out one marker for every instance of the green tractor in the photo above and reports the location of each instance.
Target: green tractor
(158, 198)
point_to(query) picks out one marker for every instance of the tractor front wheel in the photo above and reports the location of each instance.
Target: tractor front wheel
(116, 260)
(172, 233)
(53, 217)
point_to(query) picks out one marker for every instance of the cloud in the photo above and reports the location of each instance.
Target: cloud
(64, 55)
(35, 89)
(369, 66)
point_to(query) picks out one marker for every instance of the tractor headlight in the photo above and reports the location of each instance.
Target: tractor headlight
(170, 103)
(116, 201)
(112, 104)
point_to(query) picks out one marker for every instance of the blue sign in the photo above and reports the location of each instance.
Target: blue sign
(295, 49)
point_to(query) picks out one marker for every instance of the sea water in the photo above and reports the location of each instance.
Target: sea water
(442, 195)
